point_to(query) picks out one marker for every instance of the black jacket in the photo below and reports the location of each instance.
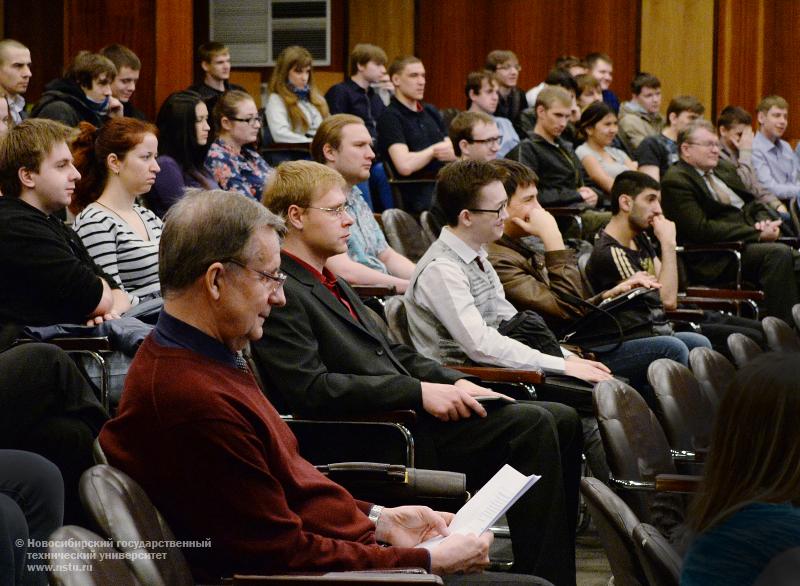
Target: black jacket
(325, 363)
(64, 100)
(559, 169)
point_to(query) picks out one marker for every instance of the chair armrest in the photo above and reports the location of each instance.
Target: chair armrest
(366, 291)
(398, 576)
(789, 241)
(407, 417)
(304, 147)
(84, 344)
(363, 472)
(563, 211)
(710, 293)
(733, 246)
(684, 314)
(677, 483)
(502, 375)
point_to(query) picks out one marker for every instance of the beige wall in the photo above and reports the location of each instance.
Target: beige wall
(677, 45)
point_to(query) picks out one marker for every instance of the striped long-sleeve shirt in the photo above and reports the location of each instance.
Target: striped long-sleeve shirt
(121, 252)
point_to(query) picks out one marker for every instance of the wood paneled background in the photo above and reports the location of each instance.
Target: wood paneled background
(723, 51)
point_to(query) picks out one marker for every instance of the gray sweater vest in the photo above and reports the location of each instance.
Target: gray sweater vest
(429, 336)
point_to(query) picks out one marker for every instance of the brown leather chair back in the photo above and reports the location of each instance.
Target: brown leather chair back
(124, 513)
(743, 349)
(685, 413)
(395, 311)
(660, 561)
(71, 540)
(635, 445)
(713, 371)
(615, 523)
(429, 225)
(780, 337)
(404, 234)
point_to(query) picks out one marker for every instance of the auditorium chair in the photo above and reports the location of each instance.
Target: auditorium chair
(397, 181)
(615, 522)
(404, 234)
(639, 456)
(72, 547)
(780, 337)
(685, 413)
(661, 563)
(796, 316)
(275, 153)
(124, 513)
(743, 349)
(713, 371)
(429, 226)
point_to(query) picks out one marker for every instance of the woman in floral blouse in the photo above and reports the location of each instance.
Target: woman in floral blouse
(231, 161)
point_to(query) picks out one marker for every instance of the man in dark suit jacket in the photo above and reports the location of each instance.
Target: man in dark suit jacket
(708, 203)
(324, 353)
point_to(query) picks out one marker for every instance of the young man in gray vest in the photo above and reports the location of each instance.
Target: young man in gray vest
(455, 301)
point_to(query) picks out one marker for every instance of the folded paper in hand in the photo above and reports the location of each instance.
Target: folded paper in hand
(489, 504)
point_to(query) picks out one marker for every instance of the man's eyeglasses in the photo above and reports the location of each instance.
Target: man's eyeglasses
(273, 282)
(252, 121)
(498, 211)
(711, 144)
(490, 141)
(337, 211)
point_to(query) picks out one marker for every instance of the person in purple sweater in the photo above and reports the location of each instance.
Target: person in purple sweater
(183, 141)
(194, 429)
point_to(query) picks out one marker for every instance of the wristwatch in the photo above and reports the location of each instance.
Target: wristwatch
(375, 514)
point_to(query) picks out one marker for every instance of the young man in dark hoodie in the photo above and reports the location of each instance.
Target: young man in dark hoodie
(124, 85)
(83, 94)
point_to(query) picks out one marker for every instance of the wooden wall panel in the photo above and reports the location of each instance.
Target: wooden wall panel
(174, 41)
(393, 30)
(92, 24)
(677, 45)
(37, 24)
(454, 37)
(755, 41)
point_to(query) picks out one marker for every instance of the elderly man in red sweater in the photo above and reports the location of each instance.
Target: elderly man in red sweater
(195, 431)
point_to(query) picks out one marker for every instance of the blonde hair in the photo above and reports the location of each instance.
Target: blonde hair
(755, 446)
(298, 183)
(295, 57)
(330, 132)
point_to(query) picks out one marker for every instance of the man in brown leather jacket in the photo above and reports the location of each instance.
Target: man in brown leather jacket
(551, 284)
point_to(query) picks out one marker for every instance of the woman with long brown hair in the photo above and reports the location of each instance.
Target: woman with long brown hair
(118, 164)
(746, 516)
(295, 108)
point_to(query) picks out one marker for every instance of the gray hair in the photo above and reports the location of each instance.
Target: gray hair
(687, 133)
(204, 227)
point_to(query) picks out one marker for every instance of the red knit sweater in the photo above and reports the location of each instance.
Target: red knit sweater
(218, 462)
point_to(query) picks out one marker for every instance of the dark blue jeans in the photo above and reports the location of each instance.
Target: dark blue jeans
(633, 357)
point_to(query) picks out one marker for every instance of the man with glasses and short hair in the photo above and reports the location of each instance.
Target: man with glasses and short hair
(455, 301)
(505, 67)
(483, 95)
(708, 203)
(324, 354)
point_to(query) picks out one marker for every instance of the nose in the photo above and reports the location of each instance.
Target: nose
(504, 214)
(156, 167)
(107, 90)
(75, 175)
(370, 153)
(205, 126)
(277, 298)
(347, 219)
(27, 72)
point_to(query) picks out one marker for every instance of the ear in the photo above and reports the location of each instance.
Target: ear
(761, 118)
(394, 79)
(205, 66)
(463, 144)
(113, 163)
(625, 203)
(465, 218)
(540, 109)
(294, 217)
(329, 152)
(211, 280)
(226, 123)
(25, 176)
(472, 95)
